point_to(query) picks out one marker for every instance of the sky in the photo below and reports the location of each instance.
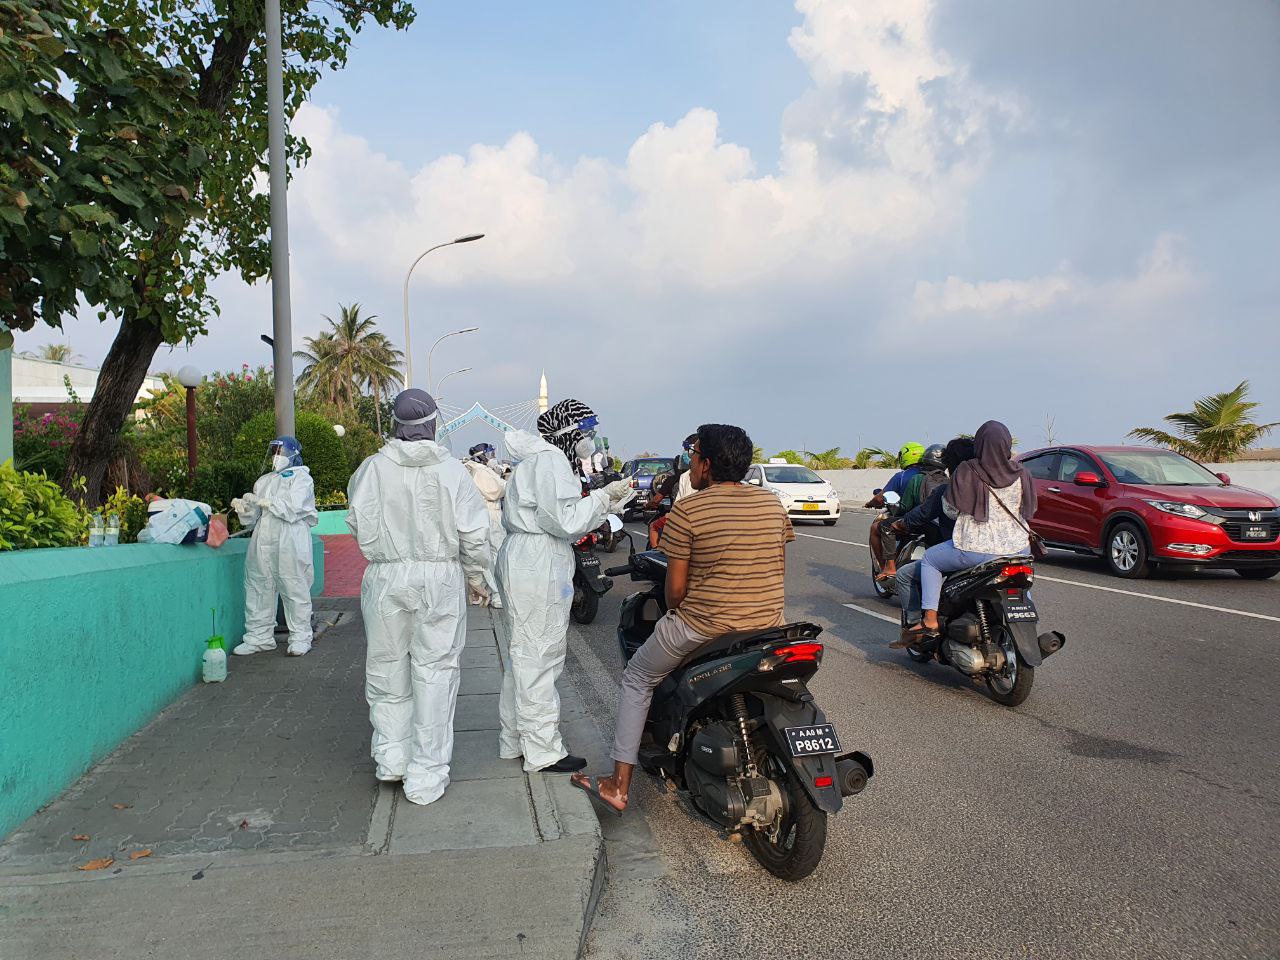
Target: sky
(836, 223)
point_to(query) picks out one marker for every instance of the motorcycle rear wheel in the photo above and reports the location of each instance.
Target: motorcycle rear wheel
(1013, 684)
(586, 603)
(801, 841)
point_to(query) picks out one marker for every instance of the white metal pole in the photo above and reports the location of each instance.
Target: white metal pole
(281, 321)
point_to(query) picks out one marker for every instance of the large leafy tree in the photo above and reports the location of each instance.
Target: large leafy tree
(1216, 430)
(348, 358)
(161, 195)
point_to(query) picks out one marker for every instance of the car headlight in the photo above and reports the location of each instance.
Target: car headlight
(1188, 510)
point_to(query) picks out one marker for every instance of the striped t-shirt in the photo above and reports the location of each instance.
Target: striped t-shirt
(733, 536)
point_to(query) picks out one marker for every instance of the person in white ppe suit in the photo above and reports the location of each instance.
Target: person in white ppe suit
(282, 510)
(423, 527)
(482, 467)
(544, 512)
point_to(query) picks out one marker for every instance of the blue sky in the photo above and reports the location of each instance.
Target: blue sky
(832, 223)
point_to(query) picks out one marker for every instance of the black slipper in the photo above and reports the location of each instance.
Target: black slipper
(592, 789)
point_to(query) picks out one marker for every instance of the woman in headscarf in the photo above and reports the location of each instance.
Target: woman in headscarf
(423, 527)
(993, 500)
(544, 513)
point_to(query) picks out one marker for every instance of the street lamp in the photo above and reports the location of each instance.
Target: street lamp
(437, 343)
(190, 378)
(408, 349)
(437, 393)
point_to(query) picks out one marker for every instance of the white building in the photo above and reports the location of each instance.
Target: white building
(41, 384)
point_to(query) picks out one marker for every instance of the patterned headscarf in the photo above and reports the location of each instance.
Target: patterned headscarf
(415, 415)
(566, 413)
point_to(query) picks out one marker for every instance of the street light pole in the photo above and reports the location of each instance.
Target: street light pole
(408, 348)
(437, 343)
(281, 321)
(190, 378)
(436, 393)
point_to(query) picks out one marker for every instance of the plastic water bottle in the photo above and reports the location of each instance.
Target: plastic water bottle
(96, 530)
(112, 536)
(215, 661)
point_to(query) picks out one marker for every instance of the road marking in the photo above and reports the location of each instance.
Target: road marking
(814, 536)
(1094, 586)
(896, 621)
(1152, 596)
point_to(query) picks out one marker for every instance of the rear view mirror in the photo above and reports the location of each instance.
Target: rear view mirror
(755, 481)
(615, 523)
(1226, 480)
(1087, 478)
(891, 498)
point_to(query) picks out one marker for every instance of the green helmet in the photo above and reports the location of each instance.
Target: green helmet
(911, 454)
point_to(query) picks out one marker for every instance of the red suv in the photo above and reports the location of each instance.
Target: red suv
(1140, 507)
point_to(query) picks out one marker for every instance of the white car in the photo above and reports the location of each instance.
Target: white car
(805, 494)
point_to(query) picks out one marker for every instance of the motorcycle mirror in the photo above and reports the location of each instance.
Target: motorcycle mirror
(891, 498)
(615, 523)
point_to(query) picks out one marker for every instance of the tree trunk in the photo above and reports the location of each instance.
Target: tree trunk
(118, 383)
(377, 413)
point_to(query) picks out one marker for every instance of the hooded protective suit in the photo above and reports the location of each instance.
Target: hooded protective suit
(492, 487)
(282, 510)
(544, 512)
(423, 528)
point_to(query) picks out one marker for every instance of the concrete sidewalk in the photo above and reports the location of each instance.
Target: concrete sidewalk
(269, 836)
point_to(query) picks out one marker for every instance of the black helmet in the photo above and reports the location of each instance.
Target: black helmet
(932, 459)
(481, 451)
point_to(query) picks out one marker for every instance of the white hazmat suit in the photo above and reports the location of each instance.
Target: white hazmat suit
(493, 488)
(544, 512)
(423, 527)
(282, 510)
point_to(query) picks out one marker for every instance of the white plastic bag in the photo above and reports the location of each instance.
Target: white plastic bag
(176, 521)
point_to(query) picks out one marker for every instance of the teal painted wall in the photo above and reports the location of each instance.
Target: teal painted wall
(6, 405)
(331, 522)
(94, 643)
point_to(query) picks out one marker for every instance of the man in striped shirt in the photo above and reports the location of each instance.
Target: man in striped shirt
(725, 565)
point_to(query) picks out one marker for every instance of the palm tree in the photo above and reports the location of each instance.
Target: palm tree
(886, 459)
(347, 359)
(828, 460)
(757, 454)
(1217, 430)
(58, 352)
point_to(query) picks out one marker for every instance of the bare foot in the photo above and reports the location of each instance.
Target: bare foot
(605, 789)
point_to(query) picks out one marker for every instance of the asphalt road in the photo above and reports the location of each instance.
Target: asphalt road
(1128, 809)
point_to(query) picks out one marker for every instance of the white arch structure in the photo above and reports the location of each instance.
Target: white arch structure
(477, 412)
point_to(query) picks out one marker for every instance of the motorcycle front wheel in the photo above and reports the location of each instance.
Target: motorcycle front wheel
(586, 603)
(801, 838)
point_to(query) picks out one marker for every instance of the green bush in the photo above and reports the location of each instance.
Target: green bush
(321, 449)
(360, 443)
(217, 484)
(34, 512)
(131, 510)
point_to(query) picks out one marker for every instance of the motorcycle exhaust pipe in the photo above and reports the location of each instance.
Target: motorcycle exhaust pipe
(1051, 643)
(852, 773)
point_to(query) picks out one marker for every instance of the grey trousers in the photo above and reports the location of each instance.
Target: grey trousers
(672, 643)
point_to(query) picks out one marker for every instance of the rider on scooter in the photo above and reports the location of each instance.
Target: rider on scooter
(882, 542)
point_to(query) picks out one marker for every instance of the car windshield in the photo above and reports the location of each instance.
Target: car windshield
(650, 468)
(1158, 467)
(791, 475)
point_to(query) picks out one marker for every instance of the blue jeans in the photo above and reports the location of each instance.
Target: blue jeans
(939, 560)
(909, 590)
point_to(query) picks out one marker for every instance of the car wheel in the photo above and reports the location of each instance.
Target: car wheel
(1126, 551)
(1257, 573)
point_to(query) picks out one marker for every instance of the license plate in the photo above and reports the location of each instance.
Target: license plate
(812, 741)
(810, 506)
(1257, 533)
(589, 563)
(1023, 609)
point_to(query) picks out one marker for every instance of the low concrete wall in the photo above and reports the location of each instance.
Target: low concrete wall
(94, 643)
(854, 487)
(331, 522)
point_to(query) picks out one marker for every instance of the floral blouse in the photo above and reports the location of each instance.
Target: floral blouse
(1001, 535)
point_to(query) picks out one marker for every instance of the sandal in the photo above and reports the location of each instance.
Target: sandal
(591, 787)
(884, 576)
(914, 636)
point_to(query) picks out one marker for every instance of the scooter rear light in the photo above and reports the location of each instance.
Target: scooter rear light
(1017, 572)
(792, 653)
(823, 781)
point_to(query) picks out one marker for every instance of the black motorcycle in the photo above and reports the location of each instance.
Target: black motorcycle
(589, 583)
(737, 733)
(988, 626)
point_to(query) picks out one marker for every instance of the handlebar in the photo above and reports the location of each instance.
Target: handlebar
(618, 571)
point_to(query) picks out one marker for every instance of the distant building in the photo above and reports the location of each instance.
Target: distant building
(40, 385)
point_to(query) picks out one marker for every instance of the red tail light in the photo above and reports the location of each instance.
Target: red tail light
(822, 781)
(1020, 572)
(792, 653)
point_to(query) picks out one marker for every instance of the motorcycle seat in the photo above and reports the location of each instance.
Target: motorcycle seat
(989, 565)
(741, 640)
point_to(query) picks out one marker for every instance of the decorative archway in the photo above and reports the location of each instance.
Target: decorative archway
(477, 412)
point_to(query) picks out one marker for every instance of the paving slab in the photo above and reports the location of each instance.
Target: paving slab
(475, 757)
(471, 814)
(477, 712)
(480, 680)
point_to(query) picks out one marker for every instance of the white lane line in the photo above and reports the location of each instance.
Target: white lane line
(896, 621)
(1152, 596)
(1095, 586)
(814, 536)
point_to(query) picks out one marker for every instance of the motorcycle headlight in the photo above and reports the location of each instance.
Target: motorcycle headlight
(1188, 510)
